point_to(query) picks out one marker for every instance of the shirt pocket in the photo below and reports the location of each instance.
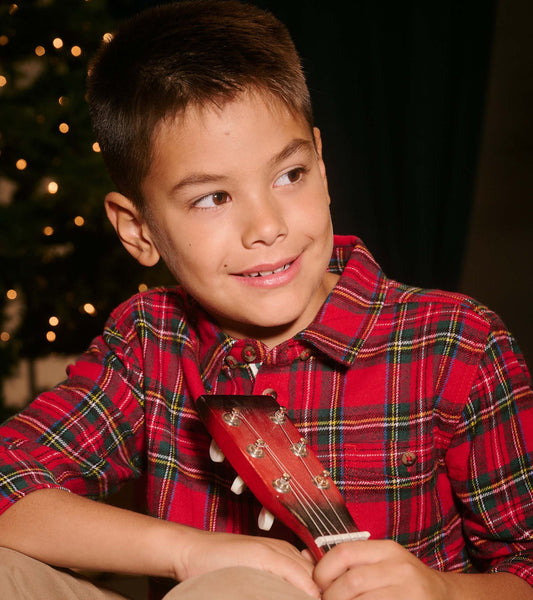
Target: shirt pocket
(392, 490)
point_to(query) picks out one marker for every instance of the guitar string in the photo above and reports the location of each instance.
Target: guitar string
(316, 515)
(326, 498)
(312, 510)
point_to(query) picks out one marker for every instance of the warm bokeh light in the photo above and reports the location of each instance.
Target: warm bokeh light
(21, 164)
(75, 51)
(40, 50)
(51, 336)
(3, 81)
(57, 43)
(142, 287)
(62, 100)
(107, 37)
(89, 308)
(53, 321)
(4, 40)
(53, 187)
(79, 221)
(64, 128)
(11, 294)
(4, 336)
(96, 147)
(48, 231)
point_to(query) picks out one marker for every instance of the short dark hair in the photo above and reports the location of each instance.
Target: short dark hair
(183, 54)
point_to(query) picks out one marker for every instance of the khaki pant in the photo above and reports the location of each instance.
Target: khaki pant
(24, 578)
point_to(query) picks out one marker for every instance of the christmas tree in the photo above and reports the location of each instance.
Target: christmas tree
(62, 268)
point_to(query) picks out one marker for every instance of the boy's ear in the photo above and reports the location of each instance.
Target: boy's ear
(131, 228)
(318, 145)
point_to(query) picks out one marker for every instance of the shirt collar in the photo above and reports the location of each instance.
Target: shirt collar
(351, 310)
(341, 326)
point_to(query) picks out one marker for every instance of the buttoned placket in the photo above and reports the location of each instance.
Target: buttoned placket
(268, 376)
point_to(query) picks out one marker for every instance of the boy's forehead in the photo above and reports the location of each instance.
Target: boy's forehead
(263, 125)
(199, 116)
(224, 142)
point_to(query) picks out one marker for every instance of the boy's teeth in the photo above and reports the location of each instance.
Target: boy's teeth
(264, 273)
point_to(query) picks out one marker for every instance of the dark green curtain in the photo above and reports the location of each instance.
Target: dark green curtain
(399, 93)
(399, 90)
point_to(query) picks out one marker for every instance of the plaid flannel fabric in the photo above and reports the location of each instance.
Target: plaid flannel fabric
(418, 402)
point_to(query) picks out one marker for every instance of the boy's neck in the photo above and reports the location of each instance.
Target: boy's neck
(274, 336)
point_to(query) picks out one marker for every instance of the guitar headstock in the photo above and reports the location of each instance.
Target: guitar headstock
(274, 460)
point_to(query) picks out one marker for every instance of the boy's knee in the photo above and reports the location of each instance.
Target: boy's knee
(25, 578)
(236, 582)
(15, 569)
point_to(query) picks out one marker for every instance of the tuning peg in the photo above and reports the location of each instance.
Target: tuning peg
(265, 519)
(238, 485)
(215, 453)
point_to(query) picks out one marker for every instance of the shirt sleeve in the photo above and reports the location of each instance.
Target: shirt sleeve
(490, 460)
(86, 435)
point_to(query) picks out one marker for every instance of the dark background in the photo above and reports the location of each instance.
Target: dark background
(425, 113)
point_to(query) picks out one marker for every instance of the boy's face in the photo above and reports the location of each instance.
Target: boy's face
(238, 208)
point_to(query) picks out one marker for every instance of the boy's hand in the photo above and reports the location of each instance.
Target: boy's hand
(204, 551)
(377, 569)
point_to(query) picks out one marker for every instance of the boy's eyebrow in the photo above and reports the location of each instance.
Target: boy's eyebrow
(197, 179)
(291, 148)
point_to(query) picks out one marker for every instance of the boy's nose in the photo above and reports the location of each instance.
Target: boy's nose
(263, 223)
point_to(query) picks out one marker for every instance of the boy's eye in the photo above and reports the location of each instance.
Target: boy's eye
(212, 200)
(292, 176)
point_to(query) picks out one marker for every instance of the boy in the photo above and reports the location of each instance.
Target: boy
(417, 402)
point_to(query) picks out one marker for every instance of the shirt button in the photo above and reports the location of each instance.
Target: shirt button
(270, 392)
(408, 458)
(305, 354)
(230, 361)
(249, 354)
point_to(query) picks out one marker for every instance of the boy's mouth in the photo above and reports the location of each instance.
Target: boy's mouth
(265, 273)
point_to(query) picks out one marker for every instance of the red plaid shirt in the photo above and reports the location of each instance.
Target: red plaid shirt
(418, 402)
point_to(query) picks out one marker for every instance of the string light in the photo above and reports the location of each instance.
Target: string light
(51, 336)
(57, 43)
(48, 231)
(96, 147)
(142, 287)
(75, 51)
(4, 336)
(40, 51)
(4, 40)
(107, 37)
(21, 164)
(79, 221)
(3, 81)
(11, 294)
(13, 8)
(53, 187)
(53, 321)
(89, 308)
(62, 100)
(64, 128)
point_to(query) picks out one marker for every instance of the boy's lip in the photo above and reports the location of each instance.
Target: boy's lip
(269, 274)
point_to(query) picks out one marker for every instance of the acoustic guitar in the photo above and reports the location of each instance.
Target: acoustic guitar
(281, 470)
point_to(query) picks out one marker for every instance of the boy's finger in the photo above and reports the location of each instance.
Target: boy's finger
(352, 554)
